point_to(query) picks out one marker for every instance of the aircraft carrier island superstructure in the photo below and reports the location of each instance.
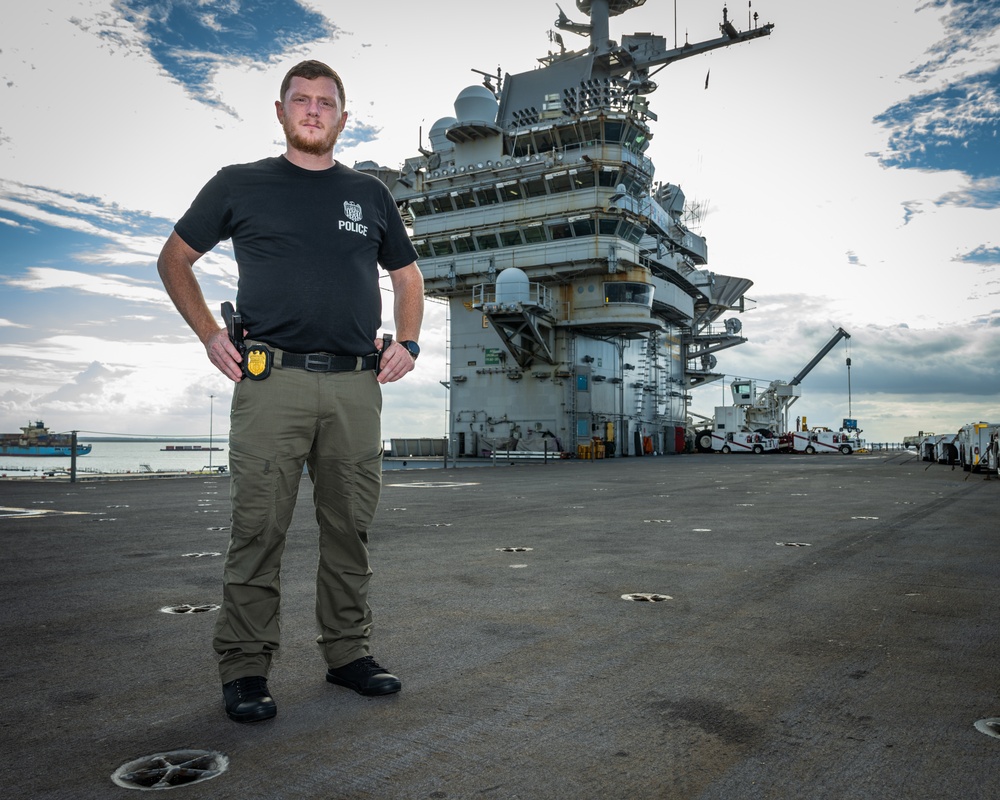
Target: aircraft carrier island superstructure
(581, 309)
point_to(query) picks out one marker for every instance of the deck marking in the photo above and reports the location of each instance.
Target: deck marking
(433, 485)
(185, 608)
(991, 726)
(10, 512)
(646, 597)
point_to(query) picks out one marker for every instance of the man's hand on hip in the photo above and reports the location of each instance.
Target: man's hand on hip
(225, 356)
(395, 363)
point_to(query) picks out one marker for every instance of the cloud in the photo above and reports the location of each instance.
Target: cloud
(102, 236)
(954, 128)
(39, 279)
(133, 386)
(981, 255)
(900, 376)
(786, 331)
(192, 39)
(976, 193)
(359, 133)
(953, 124)
(970, 29)
(15, 224)
(86, 387)
(37, 205)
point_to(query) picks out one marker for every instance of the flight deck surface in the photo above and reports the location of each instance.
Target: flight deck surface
(817, 627)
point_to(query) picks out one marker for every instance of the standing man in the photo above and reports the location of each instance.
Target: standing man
(309, 235)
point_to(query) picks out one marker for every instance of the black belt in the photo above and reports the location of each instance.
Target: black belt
(325, 362)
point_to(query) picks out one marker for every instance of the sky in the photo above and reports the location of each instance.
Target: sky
(848, 164)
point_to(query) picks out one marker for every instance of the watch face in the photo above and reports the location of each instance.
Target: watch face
(413, 347)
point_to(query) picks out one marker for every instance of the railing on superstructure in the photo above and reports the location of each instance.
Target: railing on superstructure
(484, 296)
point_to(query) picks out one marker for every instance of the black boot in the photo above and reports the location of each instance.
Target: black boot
(364, 676)
(247, 699)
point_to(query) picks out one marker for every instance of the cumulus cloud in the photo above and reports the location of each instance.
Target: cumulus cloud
(886, 359)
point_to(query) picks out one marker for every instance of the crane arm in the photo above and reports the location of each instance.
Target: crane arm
(840, 334)
(642, 51)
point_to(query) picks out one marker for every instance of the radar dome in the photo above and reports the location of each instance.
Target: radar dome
(476, 104)
(439, 142)
(513, 286)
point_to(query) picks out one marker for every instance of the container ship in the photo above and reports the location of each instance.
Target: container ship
(581, 307)
(35, 440)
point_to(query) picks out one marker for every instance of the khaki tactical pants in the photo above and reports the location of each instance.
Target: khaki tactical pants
(330, 423)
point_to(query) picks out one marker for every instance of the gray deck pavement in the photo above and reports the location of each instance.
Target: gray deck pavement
(853, 665)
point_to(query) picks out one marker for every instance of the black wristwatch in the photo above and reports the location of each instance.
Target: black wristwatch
(411, 347)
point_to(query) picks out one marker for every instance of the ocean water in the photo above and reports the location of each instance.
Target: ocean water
(121, 457)
(132, 457)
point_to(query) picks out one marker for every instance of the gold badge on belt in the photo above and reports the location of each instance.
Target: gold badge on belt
(258, 363)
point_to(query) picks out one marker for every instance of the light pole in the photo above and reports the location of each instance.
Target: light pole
(211, 418)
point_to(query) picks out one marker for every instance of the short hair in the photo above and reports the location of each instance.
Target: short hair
(310, 70)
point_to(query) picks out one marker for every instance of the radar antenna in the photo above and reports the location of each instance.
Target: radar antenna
(488, 79)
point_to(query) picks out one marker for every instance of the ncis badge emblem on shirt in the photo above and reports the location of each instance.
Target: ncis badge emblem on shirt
(258, 363)
(353, 222)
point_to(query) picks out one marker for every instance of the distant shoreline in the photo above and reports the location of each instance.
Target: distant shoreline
(177, 439)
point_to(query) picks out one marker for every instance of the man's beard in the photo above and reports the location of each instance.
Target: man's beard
(314, 147)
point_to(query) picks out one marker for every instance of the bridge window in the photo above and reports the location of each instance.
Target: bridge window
(487, 241)
(463, 199)
(441, 203)
(510, 191)
(613, 130)
(632, 233)
(418, 207)
(463, 244)
(590, 131)
(423, 249)
(608, 177)
(534, 187)
(560, 230)
(584, 179)
(534, 234)
(559, 181)
(583, 227)
(607, 226)
(487, 196)
(442, 247)
(639, 294)
(510, 238)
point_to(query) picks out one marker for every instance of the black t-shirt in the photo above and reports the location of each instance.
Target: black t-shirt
(308, 245)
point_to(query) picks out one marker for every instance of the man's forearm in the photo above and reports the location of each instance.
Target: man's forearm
(408, 302)
(176, 268)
